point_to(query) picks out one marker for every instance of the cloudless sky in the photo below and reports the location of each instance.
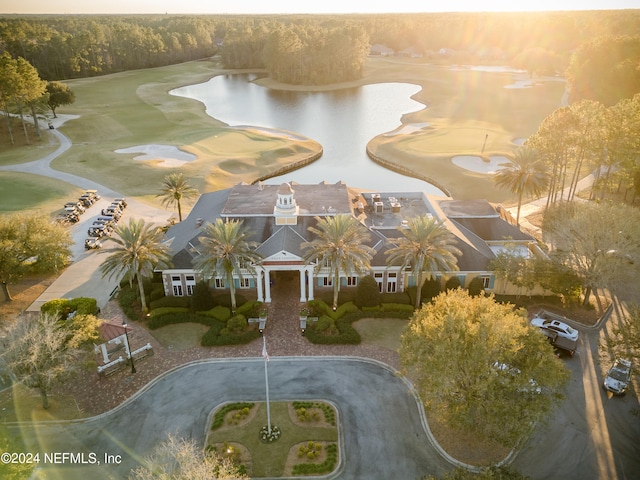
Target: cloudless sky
(303, 6)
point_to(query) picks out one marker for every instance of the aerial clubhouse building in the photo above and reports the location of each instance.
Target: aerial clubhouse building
(279, 217)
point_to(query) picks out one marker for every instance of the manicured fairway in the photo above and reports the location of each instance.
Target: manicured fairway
(463, 109)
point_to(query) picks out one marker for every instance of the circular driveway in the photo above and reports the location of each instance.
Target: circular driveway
(381, 424)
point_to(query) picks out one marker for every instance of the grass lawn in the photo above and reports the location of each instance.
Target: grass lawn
(180, 336)
(383, 332)
(23, 404)
(464, 108)
(21, 151)
(270, 459)
(134, 108)
(21, 191)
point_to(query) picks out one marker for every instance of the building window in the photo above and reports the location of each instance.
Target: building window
(352, 281)
(327, 281)
(219, 282)
(176, 284)
(190, 282)
(245, 283)
(485, 280)
(392, 282)
(379, 277)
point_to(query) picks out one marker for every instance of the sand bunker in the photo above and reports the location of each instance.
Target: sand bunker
(476, 164)
(167, 156)
(408, 129)
(524, 84)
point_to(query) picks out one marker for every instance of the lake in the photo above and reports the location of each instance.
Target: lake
(342, 121)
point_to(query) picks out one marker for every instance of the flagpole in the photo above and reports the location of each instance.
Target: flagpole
(266, 381)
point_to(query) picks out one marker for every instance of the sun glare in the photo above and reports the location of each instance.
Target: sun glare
(295, 6)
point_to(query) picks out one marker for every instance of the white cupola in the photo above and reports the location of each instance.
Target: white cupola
(286, 209)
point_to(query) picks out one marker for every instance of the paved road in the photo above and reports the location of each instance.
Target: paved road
(82, 278)
(592, 435)
(382, 428)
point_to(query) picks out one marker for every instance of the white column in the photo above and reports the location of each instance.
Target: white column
(267, 286)
(311, 280)
(303, 287)
(105, 355)
(259, 277)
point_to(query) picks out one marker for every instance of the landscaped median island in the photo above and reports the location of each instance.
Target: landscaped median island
(307, 444)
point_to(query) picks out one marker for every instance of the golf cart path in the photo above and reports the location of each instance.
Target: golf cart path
(82, 277)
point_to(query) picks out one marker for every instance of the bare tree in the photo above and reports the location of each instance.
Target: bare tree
(43, 350)
(178, 458)
(598, 241)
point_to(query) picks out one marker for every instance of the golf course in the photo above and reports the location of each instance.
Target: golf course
(467, 112)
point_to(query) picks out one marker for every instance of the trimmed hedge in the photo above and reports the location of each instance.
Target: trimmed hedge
(367, 292)
(218, 312)
(250, 309)
(202, 298)
(158, 312)
(237, 324)
(64, 307)
(184, 302)
(225, 300)
(347, 334)
(129, 302)
(322, 308)
(218, 417)
(214, 338)
(57, 306)
(396, 307)
(395, 297)
(157, 292)
(179, 317)
(319, 468)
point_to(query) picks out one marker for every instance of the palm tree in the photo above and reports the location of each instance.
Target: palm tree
(526, 175)
(428, 247)
(340, 245)
(174, 189)
(138, 251)
(225, 250)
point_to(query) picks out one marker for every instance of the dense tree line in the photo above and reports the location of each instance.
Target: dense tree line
(62, 47)
(606, 69)
(587, 137)
(316, 55)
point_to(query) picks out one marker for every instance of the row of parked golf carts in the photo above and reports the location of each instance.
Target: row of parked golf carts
(73, 210)
(104, 225)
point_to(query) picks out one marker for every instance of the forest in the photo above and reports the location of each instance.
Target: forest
(304, 49)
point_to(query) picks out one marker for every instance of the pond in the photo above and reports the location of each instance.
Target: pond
(342, 121)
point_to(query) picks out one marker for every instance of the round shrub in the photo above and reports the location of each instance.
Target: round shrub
(475, 287)
(431, 288)
(367, 292)
(452, 283)
(326, 326)
(237, 324)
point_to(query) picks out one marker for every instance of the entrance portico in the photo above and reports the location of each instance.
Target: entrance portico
(263, 279)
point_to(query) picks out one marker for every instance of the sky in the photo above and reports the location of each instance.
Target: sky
(301, 6)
